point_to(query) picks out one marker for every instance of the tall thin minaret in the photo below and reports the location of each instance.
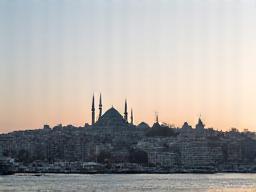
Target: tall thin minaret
(125, 111)
(100, 107)
(131, 117)
(157, 117)
(93, 110)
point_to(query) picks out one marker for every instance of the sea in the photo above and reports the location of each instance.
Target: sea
(129, 182)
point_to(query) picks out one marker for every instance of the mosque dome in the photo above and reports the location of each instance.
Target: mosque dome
(143, 125)
(111, 118)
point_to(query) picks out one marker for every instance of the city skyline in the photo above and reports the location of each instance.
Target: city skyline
(181, 59)
(97, 111)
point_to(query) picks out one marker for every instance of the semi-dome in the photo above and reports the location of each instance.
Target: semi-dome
(186, 126)
(143, 125)
(111, 118)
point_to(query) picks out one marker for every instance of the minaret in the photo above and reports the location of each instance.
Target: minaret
(100, 107)
(93, 111)
(157, 118)
(125, 111)
(131, 117)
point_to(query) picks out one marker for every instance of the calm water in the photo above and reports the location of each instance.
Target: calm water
(130, 183)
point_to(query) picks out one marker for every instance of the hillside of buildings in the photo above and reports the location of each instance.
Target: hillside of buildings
(113, 143)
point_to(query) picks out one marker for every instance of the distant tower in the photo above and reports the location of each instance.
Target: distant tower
(93, 110)
(157, 117)
(125, 111)
(100, 107)
(200, 125)
(131, 117)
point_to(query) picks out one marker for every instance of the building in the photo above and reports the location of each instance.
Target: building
(163, 159)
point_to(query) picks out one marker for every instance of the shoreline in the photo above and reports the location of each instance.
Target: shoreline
(133, 172)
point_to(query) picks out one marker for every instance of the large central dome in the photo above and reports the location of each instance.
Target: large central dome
(112, 118)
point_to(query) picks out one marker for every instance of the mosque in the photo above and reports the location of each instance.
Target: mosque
(111, 118)
(112, 126)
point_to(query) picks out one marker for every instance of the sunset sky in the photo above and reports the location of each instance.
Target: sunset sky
(180, 58)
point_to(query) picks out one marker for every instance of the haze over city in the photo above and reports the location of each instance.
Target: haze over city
(179, 58)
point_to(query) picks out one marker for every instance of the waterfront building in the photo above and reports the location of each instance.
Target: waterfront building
(163, 159)
(234, 152)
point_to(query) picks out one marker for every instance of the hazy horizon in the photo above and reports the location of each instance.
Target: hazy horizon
(181, 58)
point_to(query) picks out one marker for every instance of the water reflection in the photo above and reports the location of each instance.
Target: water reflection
(233, 190)
(131, 183)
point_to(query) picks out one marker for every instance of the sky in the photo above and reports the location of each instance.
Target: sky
(180, 58)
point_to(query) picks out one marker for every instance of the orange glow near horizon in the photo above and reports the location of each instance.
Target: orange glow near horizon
(144, 111)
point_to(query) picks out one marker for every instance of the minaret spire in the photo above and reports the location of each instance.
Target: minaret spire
(100, 107)
(157, 117)
(93, 110)
(131, 117)
(125, 111)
